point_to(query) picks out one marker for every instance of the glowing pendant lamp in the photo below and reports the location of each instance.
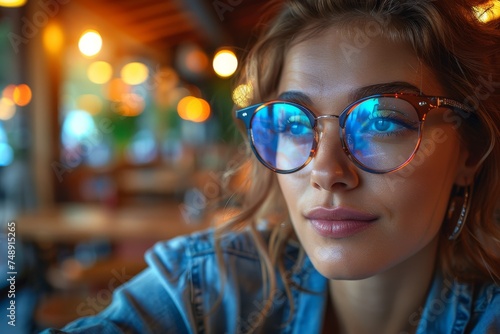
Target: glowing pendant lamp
(12, 3)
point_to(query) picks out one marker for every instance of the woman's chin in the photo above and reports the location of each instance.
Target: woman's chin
(344, 271)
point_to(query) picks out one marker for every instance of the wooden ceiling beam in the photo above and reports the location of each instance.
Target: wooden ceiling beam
(163, 22)
(128, 5)
(167, 42)
(144, 13)
(166, 21)
(208, 23)
(165, 34)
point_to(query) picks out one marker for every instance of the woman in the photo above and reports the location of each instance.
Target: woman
(372, 185)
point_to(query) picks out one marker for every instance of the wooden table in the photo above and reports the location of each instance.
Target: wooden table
(131, 230)
(73, 223)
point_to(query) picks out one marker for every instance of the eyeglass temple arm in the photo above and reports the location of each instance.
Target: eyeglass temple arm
(442, 101)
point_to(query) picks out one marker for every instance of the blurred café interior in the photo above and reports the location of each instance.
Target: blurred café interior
(115, 126)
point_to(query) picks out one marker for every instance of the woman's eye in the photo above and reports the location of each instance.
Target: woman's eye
(298, 125)
(298, 129)
(385, 125)
(388, 122)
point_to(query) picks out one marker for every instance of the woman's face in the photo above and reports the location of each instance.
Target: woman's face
(354, 224)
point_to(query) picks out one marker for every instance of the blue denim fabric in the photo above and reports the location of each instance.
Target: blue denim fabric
(179, 291)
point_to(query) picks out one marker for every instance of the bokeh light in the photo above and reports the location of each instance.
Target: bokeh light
(53, 38)
(6, 151)
(134, 73)
(7, 109)
(193, 109)
(22, 95)
(8, 92)
(12, 3)
(225, 63)
(90, 43)
(6, 154)
(78, 125)
(99, 72)
(183, 105)
(242, 95)
(197, 61)
(192, 61)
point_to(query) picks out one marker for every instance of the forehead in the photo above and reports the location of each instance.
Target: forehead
(335, 63)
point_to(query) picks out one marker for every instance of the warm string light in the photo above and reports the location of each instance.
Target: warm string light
(90, 43)
(12, 3)
(225, 63)
(193, 109)
(22, 95)
(53, 38)
(12, 96)
(134, 73)
(99, 72)
(7, 109)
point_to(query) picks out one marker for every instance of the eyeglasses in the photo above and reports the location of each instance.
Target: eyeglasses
(379, 133)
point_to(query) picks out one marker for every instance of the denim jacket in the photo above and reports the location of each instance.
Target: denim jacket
(178, 293)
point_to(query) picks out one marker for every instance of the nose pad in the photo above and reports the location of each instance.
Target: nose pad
(331, 167)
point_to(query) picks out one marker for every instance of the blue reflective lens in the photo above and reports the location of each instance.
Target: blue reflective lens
(380, 133)
(282, 135)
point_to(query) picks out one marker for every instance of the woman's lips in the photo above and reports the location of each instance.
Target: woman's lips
(339, 222)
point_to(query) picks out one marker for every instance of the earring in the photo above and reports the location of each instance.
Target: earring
(460, 197)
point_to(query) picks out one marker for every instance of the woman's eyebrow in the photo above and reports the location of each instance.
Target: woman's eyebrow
(356, 94)
(296, 96)
(389, 87)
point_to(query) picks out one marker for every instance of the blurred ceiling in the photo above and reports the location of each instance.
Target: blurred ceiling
(162, 24)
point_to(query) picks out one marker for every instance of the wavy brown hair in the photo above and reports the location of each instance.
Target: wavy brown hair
(462, 51)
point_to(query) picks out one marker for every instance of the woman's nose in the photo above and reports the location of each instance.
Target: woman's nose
(331, 167)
